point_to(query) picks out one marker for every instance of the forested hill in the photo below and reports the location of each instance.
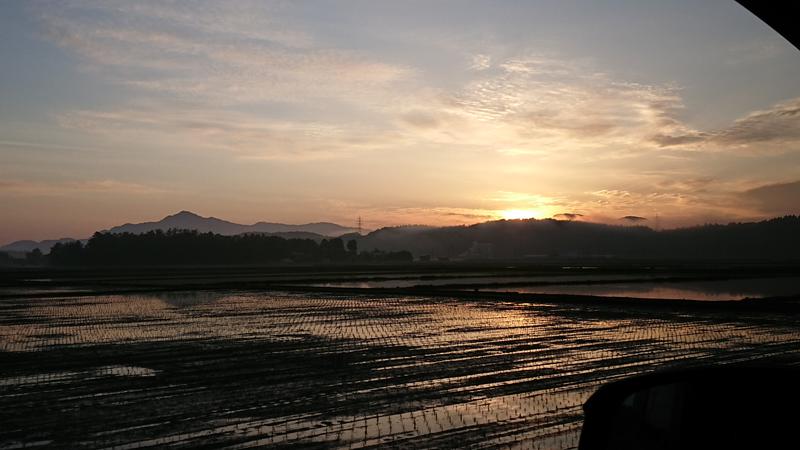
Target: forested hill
(775, 239)
(769, 239)
(189, 247)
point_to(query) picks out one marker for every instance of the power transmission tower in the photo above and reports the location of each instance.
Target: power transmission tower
(359, 224)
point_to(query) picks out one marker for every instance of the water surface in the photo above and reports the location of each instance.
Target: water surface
(717, 290)
(248, 369)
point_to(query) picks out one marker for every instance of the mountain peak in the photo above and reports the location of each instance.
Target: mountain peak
(185, 214)
(190, 221)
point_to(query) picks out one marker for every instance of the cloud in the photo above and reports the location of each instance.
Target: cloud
(470, 215)
(664, 140)
(777, 199)
(633, 219)
(210, 76)
(420, 119)
(544, 106)
(684, 200)
(61, 188)
(779, 124)
(772, 130)
(242, 135)
(481, 62)
(692, 184)
(757, 51)
(433, 215)
(651, 201)
(47, 147)
(521, 197)
(226, 52)
(543, 99)
(222, 76)
(567, 216)
(237, 59)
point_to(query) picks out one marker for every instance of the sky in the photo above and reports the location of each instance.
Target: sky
(428, 112)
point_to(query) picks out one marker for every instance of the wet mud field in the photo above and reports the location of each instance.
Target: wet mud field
(241, 369)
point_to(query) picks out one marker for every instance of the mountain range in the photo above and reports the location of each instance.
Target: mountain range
(777, 238)
(186, 220)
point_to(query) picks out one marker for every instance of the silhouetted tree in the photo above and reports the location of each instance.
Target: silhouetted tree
(333, 249)
(378, 256)
(67, 254)
(34, 257)
(5, 259)
(188, 247)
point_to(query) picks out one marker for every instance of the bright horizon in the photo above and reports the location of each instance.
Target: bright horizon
(436, 113)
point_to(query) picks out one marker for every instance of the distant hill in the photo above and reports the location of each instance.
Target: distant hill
(532, 238)
(22, 247)
(186, 220)
(513, 239)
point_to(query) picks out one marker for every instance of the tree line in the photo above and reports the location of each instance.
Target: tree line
(32, 258)
(777, 238)
(189, 247)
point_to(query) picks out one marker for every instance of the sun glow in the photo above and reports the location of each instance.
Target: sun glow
(513, 214)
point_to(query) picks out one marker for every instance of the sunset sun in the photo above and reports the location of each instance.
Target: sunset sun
(514, 214)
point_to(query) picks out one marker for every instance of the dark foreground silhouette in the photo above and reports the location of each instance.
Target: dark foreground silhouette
(188, 247)
(699, 408)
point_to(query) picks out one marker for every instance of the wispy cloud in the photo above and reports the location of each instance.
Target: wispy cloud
(377, 217)
(756, 52)
(242, 135)
(778, 125)
(772, 130)
(65, 188)
(481, 62)
(227, 62)
(225, 52)
(523, 105)
(44, 146)
(206, 75)
(776, 198)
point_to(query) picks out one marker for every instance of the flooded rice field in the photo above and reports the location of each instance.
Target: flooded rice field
(707, 290)
(445, 281)
(663, 286)
(244, 369)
